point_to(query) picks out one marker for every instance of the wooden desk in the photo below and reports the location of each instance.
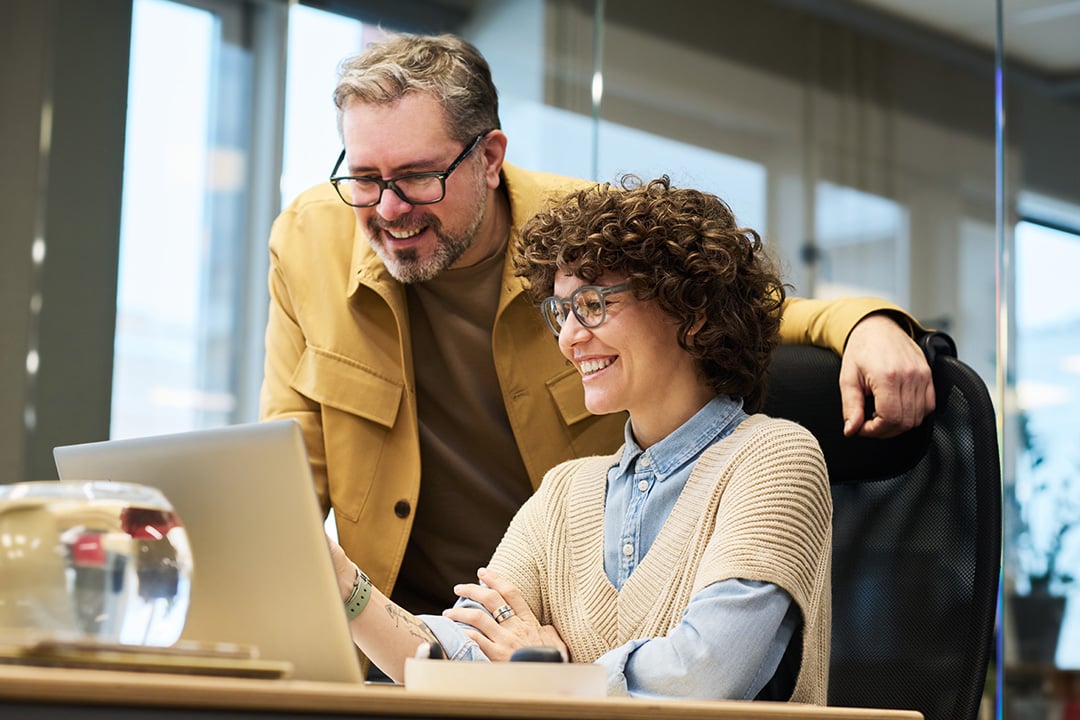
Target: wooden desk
(30, 693)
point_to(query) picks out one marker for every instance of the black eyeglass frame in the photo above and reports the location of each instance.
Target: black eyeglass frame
(391, 183)
(550, 305)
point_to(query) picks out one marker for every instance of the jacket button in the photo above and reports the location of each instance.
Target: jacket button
(402, 508)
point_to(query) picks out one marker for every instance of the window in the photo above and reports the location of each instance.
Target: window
(1047, 362)
(318, 41)
(168, 345)
(201, 187)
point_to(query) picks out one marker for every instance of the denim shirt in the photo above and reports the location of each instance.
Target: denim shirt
(733, 633)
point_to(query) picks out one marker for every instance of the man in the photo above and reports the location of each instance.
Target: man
(431, 393)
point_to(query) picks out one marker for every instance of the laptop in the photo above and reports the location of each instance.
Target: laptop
(262, 571)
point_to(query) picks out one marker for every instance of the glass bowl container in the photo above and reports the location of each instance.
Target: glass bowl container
(92, 560)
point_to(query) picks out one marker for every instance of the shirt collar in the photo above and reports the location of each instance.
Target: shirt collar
(714, 421)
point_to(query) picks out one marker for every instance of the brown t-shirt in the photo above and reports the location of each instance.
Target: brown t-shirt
(472, 478)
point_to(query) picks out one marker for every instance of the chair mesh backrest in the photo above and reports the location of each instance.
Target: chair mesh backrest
(916, 540)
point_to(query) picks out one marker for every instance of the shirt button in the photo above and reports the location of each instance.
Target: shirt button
(402, 508)
(643, 486)
(627, 549)
(645, 461)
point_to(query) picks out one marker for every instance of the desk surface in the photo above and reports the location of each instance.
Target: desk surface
(66, 693)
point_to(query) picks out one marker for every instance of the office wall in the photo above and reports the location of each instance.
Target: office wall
(1045, 129)
(22, 71)
(63, 85)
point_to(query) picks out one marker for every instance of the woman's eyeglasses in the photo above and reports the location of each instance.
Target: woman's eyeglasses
(587, 303)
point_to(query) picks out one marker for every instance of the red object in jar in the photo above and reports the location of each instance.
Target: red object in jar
(147, 524)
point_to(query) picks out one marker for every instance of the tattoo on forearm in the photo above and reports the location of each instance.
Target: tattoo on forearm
(412, 624)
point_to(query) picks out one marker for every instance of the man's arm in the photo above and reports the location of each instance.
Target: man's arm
(881, 361)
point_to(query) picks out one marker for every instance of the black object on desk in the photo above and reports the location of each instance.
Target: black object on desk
(536, 654)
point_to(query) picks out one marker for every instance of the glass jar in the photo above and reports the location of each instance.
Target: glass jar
(93, 560)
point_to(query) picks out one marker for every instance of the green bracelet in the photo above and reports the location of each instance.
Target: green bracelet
(358, 598)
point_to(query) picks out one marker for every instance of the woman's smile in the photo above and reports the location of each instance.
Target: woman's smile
(594, 365)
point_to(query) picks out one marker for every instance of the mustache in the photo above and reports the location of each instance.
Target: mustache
(412, 222)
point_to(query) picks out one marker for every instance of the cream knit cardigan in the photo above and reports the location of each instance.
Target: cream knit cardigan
(756, 506)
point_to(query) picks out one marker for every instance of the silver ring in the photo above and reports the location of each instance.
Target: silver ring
(503, 612)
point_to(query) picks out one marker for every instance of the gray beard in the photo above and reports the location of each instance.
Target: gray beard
(406, 266)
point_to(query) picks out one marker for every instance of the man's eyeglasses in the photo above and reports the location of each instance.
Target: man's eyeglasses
(587, 303)
(415, 188)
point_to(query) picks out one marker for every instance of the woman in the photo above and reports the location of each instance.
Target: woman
(694, 562)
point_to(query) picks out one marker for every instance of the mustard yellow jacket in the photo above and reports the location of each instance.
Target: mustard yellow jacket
(339, 360)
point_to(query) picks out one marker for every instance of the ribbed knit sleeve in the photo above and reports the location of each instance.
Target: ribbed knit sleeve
(774, 523)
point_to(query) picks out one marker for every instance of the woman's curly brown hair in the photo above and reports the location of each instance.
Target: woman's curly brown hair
(680, 248)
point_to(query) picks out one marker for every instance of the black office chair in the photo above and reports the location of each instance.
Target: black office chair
(916, 537)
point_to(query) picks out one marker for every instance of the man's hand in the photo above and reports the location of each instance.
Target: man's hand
(882, 361)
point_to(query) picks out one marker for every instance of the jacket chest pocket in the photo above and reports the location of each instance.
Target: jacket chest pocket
(586, 434)
(569, 398)
(359, 409)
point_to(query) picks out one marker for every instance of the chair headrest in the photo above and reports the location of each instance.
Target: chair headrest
(803, 386)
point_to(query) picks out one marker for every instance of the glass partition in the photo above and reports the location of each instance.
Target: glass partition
(1040, 240)
(859, 184)
(1043, 487)
(820, 134)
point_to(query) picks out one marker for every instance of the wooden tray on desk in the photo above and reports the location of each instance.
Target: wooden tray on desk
(185, 659)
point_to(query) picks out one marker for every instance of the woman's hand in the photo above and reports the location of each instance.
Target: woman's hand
(344, 568)
(518, 627)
